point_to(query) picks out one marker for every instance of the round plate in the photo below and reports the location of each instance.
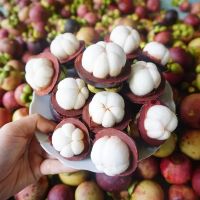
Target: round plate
(41, 105)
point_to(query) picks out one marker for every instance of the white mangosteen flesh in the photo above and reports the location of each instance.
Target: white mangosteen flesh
(126, 37)
(39, 73)
(110, 155)
(158, 51)
(104, 59)
(71, 93)
(107, 108)
(144, 78)
(64, 45)
(160, 122)
(68, 140)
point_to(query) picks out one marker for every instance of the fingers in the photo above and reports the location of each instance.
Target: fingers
(51, 166)
(27, 126)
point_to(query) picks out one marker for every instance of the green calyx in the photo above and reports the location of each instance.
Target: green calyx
(197, 69)
(26, 96)
(175, 68)
(4, 58)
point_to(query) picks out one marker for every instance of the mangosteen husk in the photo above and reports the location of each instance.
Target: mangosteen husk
(107, 82)
(140, 124)
(86, 139)
(128, 141)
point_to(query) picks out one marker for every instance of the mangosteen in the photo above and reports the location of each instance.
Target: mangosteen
(37, 46)
(71, 26)
(171, 17)
(76, 137)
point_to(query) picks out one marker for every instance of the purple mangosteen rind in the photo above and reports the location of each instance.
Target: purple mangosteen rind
(140, 123)
(56, 75)
(144, 56)
(154, 95)
(86, 139)
(70, 59)
(128, 141)
(107, 82)
(96, 127)
(60, 113)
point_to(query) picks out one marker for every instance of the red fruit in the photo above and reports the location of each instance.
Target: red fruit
(20, 113)
(192, 20)
(184, 6)
(176, 169)
(182, 192)
(65, 12)
(5, 116)
(180, 56)
(153, 5)
(61, 192)
(141, 11)
(37, 13)
(195, 8)
(196, 181)
(3, 33)
(113, 183)
(91, 18)
(148, 168)
(82, 10)
(173, 78)
(190, 110)
(126, 6)
(9, 101)
(23, 94)
(26, 56)
(164, 37)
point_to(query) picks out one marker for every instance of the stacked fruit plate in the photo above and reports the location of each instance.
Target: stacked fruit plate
(112, 104)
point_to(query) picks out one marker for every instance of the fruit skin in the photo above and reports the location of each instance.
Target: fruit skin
(190, 142)
(148, 168)
(153, 5)
(190, 110)
(176, 169)
(164, 37)
(20, 113)
(2, 92)
(125, 6)
(35, 191)
(82, 10)
(141, 11)
(196, 181)
(182, 192)
(9, 101)
(88, 190)
(113, 183)
(192, 20)
(170, 17)
(61, 192)
(167, 148)
(23, 94)
(147, 190)
(5, 116)
(74, 178)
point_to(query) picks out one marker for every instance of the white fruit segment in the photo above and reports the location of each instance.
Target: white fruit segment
(158, 51)
(107, 108)
(126, 37)
(144, 78)
(160, 121)
(104, 59)
(71, 93)
(110, 155)
(64, 45)
(68, 140)
(39, 73)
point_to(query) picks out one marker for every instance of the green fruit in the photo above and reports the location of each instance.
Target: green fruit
(89, 190)
(167, 148)
(74, 178)
(194, 46)
(190, 143)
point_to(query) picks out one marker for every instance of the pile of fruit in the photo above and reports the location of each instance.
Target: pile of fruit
(28, 27)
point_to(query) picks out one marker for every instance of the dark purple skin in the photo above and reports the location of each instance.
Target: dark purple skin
(141, 11)
(153, 5)
(171, 17)
(182, 57)
(3, 33)
(113, 183)
(196, 181)
(164, 37)
(61, 192)
(38, 46)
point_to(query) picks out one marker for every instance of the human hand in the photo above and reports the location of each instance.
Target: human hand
(22, 160)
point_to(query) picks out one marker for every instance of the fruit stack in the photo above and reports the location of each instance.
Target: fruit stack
(173, 171)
